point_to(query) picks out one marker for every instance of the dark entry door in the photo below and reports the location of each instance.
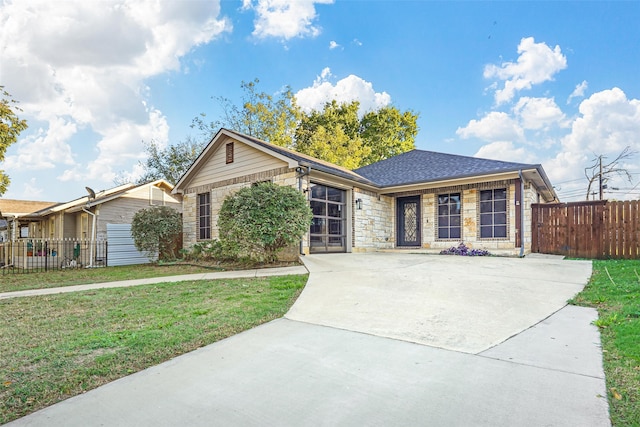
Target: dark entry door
(408, 220)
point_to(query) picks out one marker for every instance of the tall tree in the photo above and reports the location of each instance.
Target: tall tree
(261, 115)
(10, 127)
(333, 135)
(170, 163)
(336, 133)
(600, 171)
(388, 132)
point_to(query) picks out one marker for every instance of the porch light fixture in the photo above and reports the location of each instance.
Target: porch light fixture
(359, 204)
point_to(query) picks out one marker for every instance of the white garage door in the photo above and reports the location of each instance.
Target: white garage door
(120, 247)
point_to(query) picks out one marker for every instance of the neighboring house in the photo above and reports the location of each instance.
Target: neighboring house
(89, 218)
(10, 209)
(118, 205)
(419, 199)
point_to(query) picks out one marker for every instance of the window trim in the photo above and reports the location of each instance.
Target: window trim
(206, 217)
(493, 212)
(437, 214)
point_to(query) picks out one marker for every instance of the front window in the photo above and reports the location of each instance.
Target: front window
(449, 213)
(52, 228)
(493, 213)
(204, 216)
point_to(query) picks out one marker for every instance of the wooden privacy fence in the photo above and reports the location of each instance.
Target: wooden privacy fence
(598, 229)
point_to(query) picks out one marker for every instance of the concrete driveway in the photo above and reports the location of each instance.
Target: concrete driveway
(386, 340)
(466, 304)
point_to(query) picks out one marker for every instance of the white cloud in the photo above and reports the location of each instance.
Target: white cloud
(537, 63)
(351, 88)
(538, 113)
(578, 92)
(44, 149)
(505, 151)
(32, 188)
(608, 122)
(285, 19)
(79, 64)
(333, 45)
(493, 127)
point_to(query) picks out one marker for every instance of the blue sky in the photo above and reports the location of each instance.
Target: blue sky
(544, 82)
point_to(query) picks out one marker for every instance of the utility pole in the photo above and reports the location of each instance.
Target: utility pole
(600, 177)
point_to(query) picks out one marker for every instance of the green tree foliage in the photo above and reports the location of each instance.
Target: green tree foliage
(388, 132)
(260, 115)
(155, 230)
(260, 220)
(337, 133)
(10, 127)
(169, 163)
(333, 134)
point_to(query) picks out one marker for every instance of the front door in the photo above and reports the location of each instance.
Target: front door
(329, 227)
(408, 221)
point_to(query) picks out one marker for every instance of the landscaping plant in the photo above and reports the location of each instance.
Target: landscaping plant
(155, 229)
(464, 250)
(259, 221)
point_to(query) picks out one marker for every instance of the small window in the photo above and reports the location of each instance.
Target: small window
(493, 213)
(449, 216)
(156, 196)
(204, 216)
(229, 152)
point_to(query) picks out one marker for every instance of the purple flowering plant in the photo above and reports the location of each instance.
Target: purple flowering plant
(464, 250)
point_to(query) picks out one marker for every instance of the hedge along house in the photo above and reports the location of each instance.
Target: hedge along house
(416, 200)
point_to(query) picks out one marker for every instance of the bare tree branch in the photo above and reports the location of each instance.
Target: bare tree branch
(601, 172)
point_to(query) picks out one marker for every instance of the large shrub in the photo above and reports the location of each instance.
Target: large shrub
(155, 231)
(261, 220)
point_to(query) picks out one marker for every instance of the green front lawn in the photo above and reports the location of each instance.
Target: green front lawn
(57, 346)
(614, 289)
(81, 276)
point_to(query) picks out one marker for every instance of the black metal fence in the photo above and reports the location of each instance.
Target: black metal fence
(34, 255)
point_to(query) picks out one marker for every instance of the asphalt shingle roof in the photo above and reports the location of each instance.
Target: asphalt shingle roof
(418, 166)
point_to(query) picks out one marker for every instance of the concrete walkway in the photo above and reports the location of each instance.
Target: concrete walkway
(261, 272)
(303, 370)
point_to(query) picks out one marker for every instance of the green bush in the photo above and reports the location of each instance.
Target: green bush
(209, 250)
(155, 231)
(259, 221)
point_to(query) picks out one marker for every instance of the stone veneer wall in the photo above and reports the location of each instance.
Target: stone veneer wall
(530, 197)
(470, 221)
(220, 190)
(373, 225)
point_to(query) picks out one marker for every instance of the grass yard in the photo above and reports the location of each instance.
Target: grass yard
(54, 347)
(614, 289)
(83, 276)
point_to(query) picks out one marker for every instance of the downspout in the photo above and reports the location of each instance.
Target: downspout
(93, 237)
(521, 213)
